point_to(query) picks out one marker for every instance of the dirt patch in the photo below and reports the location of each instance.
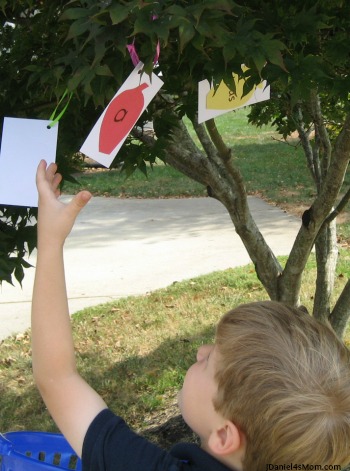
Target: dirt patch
(166, 427)
(295, 135)
(173, 431)
(297, 209)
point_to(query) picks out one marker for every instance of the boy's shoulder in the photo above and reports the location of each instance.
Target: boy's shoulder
(110, 444)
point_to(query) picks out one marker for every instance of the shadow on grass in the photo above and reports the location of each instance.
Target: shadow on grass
(140, 388)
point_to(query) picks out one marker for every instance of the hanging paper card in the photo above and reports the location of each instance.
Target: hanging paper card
(120, 116)
(213, 103)
(24, 143)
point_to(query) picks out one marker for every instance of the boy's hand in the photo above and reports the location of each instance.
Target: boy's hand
(55, 219)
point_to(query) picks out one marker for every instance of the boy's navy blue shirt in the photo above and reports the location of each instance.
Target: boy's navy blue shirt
(110, 445)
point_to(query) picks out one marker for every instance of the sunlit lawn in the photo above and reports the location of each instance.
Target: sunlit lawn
(135, 351)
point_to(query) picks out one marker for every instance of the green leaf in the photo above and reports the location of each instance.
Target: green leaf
(19, 273)
(3, 4)
(228, 53)
(259, 60)
(74, 14)
(33, 68)
(6, 268)
(274, 50)
(229, 81)
(176, 11)
(30, 236)
(78, 28)
(143, 167)
(186, 33)
(118, 13)
(161, 31)
(103, 70)
(78, 77)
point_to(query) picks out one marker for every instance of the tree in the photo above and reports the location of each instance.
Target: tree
(30, 34)
(302, 50)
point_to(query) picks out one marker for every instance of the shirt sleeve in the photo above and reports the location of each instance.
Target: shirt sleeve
(110, 445)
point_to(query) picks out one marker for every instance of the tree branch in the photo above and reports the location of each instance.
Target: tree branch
(340, 207)
(323, 204)
(207, 143)
(304, 135)
(321, 131)
(223, 149)
(225, 154)
(185, 156)
(143, 137)
(341, 311)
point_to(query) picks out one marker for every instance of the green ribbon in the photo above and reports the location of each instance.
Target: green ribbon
(59, 116)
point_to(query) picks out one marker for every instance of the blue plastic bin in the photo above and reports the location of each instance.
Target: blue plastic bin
(36, 451)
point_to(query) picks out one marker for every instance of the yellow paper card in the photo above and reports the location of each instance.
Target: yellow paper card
(213, 103)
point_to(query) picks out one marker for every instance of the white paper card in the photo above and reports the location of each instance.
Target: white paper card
(120, 116)
(24, 143)
(213, 104)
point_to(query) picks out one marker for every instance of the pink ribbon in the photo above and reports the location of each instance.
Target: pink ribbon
(133, 54)
(135, 57)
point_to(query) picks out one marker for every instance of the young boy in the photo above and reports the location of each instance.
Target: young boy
(272, 392)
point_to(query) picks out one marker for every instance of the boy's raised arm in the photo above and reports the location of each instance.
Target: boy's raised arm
(72, 403)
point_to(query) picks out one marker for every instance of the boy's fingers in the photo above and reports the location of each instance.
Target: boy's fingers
(51, 171)
(56, 180)
(80, 200)
(40, 173)
(48, 174)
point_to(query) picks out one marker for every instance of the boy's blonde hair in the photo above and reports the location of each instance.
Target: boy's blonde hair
(284, 380)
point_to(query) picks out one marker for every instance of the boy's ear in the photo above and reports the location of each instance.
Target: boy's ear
(225, 440)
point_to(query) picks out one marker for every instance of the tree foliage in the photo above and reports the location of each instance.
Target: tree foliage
(302, 49)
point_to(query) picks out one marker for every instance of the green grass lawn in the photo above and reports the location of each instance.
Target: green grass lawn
(135, 351)
(162, 182)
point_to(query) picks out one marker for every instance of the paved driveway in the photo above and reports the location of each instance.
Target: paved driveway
(123, 247)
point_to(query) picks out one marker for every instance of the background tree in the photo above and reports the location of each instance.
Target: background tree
(302, 50)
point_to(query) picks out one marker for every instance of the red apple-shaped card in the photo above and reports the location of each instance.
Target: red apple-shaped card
(120, 116)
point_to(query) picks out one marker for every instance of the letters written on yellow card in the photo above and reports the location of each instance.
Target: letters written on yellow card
(213, 103)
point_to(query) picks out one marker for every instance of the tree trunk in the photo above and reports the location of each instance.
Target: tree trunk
(326, 258)
(215, 170)
(314, 217)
